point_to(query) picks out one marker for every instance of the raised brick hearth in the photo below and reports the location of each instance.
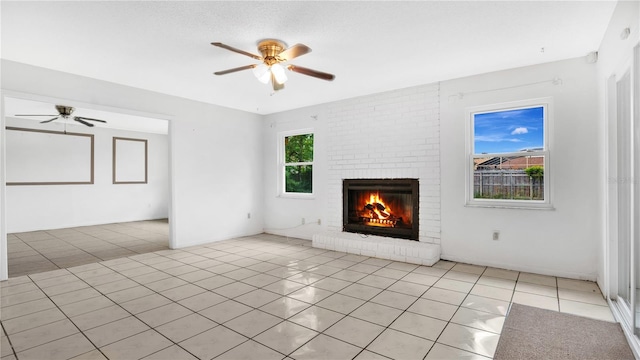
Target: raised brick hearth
(414, 252)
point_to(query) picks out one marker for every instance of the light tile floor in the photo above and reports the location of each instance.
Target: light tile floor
(38, 251)
(271, 297)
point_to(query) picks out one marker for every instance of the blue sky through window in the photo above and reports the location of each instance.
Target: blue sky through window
(508, 130)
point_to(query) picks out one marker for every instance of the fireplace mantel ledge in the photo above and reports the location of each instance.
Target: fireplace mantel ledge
(414, 252)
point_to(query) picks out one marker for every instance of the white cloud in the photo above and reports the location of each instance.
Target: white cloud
(520, 130)
(494, 138)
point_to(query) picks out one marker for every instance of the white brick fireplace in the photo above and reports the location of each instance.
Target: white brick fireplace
(388, 135)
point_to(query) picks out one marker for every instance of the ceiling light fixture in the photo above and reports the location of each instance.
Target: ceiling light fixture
(278, 73)
(262, 72)
(275, 55)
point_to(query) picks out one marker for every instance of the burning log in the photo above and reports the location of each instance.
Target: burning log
(376, 211)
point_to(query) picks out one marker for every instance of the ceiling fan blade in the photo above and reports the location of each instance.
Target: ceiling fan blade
(294, 51)
(82, 121)
(276, 85)
(224, 72)
(37, 115)
(221, 45)
(89, 119)
(48, 121)
(310, 72)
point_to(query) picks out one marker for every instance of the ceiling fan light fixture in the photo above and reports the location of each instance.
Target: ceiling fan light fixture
(275, 55)
(278, 73)
(262, 73)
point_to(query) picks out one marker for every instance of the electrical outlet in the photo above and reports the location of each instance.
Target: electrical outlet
(302, 221)
(319, 222)
(496, 235)
(248, 215)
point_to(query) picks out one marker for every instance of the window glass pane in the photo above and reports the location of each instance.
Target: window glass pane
(511, 178)
(508, 131)
(298, 148)
(298, 178)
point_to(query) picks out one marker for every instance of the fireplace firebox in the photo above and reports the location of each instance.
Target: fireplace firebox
(385, 207)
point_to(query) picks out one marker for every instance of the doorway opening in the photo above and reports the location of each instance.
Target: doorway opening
(74, 195)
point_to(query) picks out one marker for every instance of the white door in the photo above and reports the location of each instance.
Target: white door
(624, 192)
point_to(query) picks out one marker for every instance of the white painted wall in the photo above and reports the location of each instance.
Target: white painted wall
(283, 215)
(39, 207)
(613, 52)
(4, 266)
(215, 152)
(563, 241)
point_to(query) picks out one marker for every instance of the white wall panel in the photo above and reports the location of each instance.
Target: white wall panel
(40, 207)
(562, 241)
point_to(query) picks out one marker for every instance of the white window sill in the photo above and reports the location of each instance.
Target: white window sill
(297, 196)
(519, 205)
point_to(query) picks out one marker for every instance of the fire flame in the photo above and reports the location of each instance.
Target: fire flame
(382, 214)
(372, 210)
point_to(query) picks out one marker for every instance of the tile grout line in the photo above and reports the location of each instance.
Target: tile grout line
(195, 312)
(76, 231)
(283, 319)
(13, 350)
(71, 244)
(558, 293)
(394, 320)
(158, 293)
(458, 309)
(131, 314)
(115, 303)
(34, 249)
(67, 318)
(89, 234)
(280, 322)
(305, 285)
(367, 301)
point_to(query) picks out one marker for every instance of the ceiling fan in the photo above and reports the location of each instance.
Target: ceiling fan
(65, 113)
(274, 53)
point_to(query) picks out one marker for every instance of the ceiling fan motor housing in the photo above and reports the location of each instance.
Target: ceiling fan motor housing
(270, 49)
(65, 111)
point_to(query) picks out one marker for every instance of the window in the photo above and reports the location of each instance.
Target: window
(509, 155)
(297, 163)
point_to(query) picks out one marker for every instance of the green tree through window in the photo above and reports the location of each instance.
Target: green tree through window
(298, 163)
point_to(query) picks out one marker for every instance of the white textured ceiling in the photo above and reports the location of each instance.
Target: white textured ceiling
(370, 46)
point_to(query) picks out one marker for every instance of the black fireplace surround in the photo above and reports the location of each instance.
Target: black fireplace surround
(384, 207)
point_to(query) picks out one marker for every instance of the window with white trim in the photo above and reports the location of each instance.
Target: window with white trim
(509, 154)
(296, 154)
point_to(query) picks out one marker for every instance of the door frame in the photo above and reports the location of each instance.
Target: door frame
(626, 315)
